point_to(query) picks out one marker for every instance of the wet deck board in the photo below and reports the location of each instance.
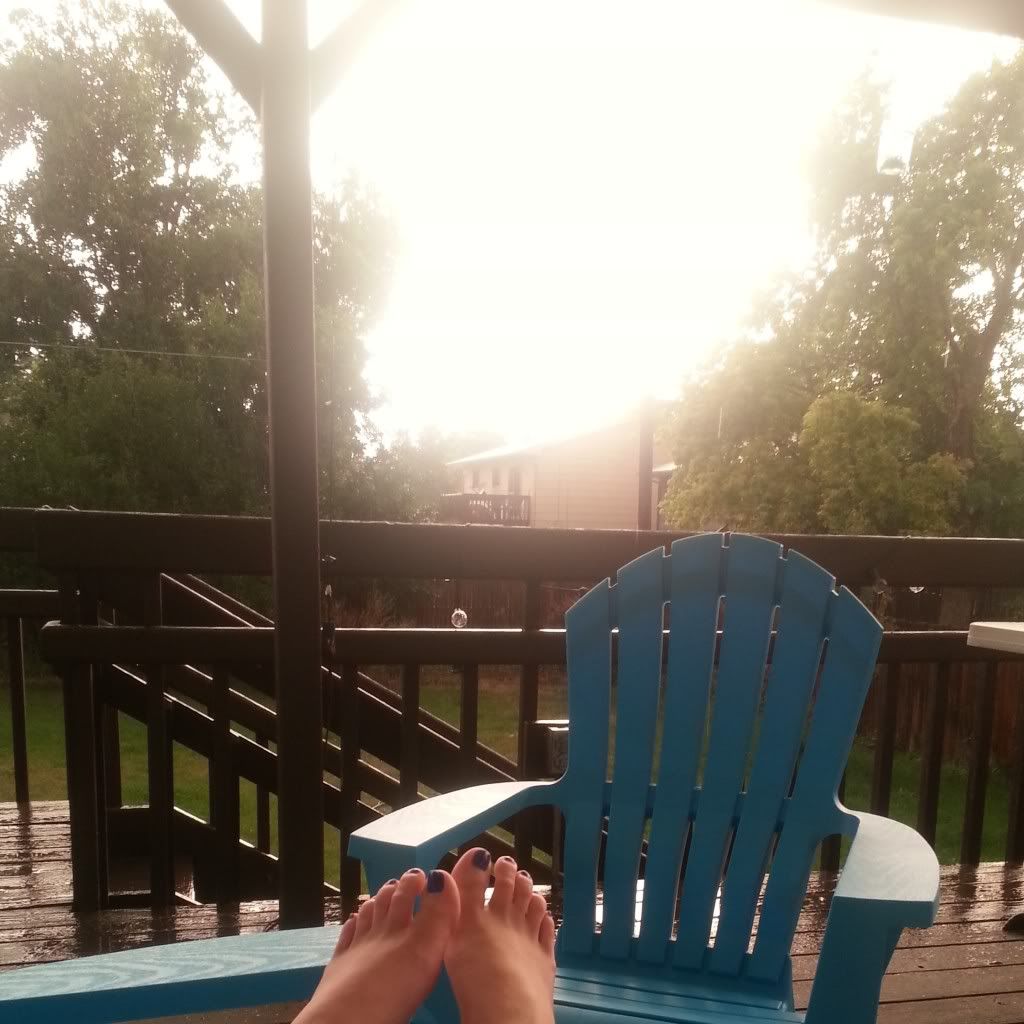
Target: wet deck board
(967, 969)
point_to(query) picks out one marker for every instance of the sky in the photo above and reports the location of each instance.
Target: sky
(589, 192)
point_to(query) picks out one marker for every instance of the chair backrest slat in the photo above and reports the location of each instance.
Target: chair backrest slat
(800, 635)
(854, 639)
(751, 574)
(696, 586)
(589, 662)
(639, 611)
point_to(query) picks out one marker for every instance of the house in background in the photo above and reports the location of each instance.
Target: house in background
(611, 478)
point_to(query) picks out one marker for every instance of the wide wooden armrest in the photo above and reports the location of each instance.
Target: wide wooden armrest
(178, 979)
(892, 866)
(420, 834)
(890, 882)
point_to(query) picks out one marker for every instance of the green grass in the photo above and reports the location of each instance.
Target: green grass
(498, 712)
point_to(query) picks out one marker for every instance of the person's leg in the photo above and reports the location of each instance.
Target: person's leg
(500, 958)
(387, 959)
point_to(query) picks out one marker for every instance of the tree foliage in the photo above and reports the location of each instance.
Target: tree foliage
(880, 391)
(133, 372)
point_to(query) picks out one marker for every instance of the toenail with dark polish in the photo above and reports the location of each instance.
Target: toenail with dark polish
(391, 881)
(507, 860)
(524, 873)
(482, 860)
(414, 871)
(435, 881)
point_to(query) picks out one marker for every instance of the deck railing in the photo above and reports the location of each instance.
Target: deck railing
(194, 666)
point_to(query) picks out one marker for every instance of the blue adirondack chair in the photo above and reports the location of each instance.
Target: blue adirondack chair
(723, 824)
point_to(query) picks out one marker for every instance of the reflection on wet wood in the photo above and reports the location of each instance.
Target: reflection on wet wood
(967, 969)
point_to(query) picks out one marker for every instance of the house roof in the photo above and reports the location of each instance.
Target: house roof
(504, 451)
(509, 451)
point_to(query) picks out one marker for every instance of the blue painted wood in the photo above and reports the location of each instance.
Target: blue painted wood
(814, 811)
(182, 978)
(589, 662)
(752, 567)
(695, 589)
(640, 612)
(806, 593)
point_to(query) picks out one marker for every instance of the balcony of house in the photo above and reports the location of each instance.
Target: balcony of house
(486, 509)
(142, 781)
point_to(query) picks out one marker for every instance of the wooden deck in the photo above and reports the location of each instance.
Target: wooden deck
(966, 969)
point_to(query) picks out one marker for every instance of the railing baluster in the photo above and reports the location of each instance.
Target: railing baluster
(19, 740)
(224, 812)
(410, 768)
(160, 767)
(934, 726)
(832, 846)
(529, 684)
(88, 887)
(90, 613)
(469, 709)
(977, 773)
(110, 733)
(1015, 825)
(885, 740)
(351, 877)
(262, 808)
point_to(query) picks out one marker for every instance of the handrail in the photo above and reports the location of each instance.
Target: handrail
(167, 645)
(241, 545)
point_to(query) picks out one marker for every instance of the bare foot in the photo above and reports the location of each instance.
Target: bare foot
(387, 960)
(500, 958)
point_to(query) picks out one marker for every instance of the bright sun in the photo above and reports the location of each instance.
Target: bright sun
(589, 192)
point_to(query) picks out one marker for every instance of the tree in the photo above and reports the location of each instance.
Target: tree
(880, 390)
(131, 262)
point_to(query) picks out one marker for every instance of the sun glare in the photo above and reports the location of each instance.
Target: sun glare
(590, 192)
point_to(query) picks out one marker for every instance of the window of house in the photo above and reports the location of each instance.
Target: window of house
(515, 483)
(476, 480)
(495, 477)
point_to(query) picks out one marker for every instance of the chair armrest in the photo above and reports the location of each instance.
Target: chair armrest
(422, 833)
(890, 882)
(891, 866)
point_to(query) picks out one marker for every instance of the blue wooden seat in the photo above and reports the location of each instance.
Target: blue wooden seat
(738, 799)
(725, 812)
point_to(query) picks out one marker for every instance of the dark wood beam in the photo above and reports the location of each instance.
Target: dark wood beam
(336, 54)
(1004, 17)
(225, 39)
(294, 502)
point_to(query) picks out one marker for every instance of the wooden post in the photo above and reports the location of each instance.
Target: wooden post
(224, 792)
(351, 872)
(292, 392)
(160, 765)
(80, 753)
(885, 740)
(645, 469)
(931, 753)
(529, 685)
(977, 774)
(16, 663)
(409, 768)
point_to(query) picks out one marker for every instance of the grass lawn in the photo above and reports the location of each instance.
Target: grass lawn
(440, 692)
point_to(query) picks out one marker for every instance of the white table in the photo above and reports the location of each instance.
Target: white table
(997, 636)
